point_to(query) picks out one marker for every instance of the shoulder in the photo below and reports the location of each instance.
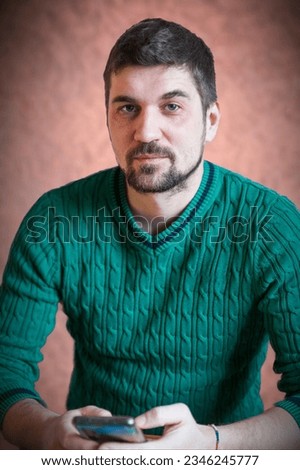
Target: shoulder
(77, 196)
(97, 182)
(270, 218)
(242, 190)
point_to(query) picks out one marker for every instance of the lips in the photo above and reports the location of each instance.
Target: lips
(149, 151)
(150, 157)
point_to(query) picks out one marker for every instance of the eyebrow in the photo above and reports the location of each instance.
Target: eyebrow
(174, 94)
(124, 98)
(165, 96)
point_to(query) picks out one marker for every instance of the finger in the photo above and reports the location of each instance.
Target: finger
(76, 442)
(125, 446)
(164, 415)
(161, 443)
(69, 438)
(91, 410)
(73, 439)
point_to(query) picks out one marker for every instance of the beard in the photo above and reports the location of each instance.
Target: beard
(147, 180)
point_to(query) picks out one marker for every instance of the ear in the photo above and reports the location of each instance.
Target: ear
(213, 116)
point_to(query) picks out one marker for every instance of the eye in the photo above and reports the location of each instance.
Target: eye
(172, 107)
(128, 109)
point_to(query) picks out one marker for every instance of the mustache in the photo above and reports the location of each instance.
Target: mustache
(149, 148)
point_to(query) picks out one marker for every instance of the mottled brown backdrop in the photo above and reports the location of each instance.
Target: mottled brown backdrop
(52, 129)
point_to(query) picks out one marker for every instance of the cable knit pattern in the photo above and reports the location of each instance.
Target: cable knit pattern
(184, 316)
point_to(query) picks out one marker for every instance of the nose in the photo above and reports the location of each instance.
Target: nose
(147, 126)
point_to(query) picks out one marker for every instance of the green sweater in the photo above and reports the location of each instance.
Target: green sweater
(184, 316)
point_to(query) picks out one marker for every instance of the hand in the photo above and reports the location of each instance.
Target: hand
(180, 430)
(61, 433)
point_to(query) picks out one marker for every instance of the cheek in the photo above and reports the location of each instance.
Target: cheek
(120, 135)
(115, 137)
(189, 137)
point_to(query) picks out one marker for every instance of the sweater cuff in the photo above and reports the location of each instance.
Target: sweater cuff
(10, 397)
(292, 405)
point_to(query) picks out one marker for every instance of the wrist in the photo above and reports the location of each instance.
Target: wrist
(26, 425)
(48, 432)
(208, 437)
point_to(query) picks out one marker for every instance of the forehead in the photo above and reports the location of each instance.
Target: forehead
(140, 82)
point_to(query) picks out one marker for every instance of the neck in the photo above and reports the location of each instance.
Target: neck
(156, 211)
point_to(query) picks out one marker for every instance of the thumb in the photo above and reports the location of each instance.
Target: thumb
(164, 415)
(91, 410)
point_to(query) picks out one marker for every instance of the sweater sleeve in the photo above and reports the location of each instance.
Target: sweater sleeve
(278, 263)
(28, 305)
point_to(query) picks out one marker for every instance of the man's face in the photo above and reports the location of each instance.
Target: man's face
(156, 126)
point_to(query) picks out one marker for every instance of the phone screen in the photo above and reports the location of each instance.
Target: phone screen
(108, 428)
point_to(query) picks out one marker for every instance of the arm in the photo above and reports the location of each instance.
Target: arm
(29, 425)
(274, 429)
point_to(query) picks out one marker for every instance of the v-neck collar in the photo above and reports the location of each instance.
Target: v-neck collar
(134, 233)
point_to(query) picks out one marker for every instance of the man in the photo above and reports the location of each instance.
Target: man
(174, 274)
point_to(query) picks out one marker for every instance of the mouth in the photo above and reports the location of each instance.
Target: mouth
(150, 156)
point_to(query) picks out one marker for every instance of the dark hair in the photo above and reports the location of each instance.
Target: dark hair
(156, 41)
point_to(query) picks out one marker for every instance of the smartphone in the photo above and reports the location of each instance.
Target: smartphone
(109, 428)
